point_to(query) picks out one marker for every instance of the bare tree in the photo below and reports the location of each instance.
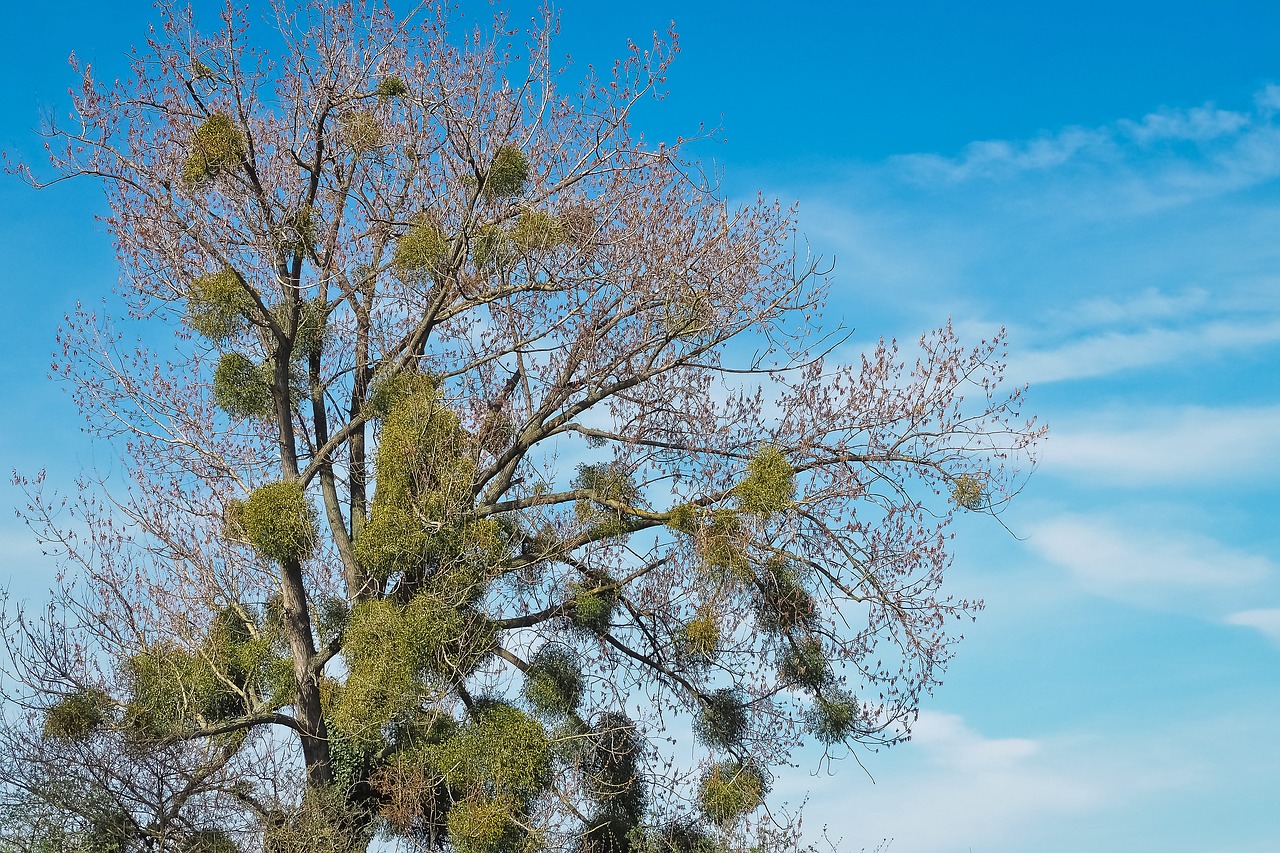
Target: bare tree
(492, 449)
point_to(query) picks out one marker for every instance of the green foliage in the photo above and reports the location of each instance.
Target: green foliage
(172, 689)
(201, 71)
(678, 837)
(833, 716)
(393, 540)
(611, 763)
(391, 390)
(721, 719)
(76, 716)
(508, 173)
(606, 832)
(536, 231)
(482, 824)
(216, 145)
(210, 841)
(967, 492)
(218, 305)
(278, 521)
(309, 337)
(731, 790)
(492, 248)
(397, 655)
(770, 483)
(422, 250)
(498, 753)
(592, 604)
(700, 636)
(721, 546)
(608, 485)
(804, 662)
(241, 388)
(391, 87)
(360, 130)
(783, 602)
(683, 518)
(326, 821)
(553, 681)
(297, 230)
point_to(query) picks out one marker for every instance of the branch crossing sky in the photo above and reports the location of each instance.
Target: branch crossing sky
(1103, 179)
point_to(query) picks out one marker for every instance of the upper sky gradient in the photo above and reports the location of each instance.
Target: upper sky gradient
(1101, 179)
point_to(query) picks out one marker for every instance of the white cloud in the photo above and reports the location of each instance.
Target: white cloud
(1265, 620)
(1111, 560)
(964, 789)
(1190, 447)
(1111, 352)
(1198, 124)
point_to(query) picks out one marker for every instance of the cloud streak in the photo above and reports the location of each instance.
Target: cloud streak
(1191, 445)
(1109, 559)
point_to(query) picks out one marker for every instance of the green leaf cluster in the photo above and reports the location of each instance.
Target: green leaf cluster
(242, 388)
(700, 636)
(720, 544)
(508, 173)
(783, 603)
(425, 467)
(609, 485)
(832, 717)
(536, 231)
(721, 719)
(422, 250)
(218, 305)
(770, 483)
(731, 790)
(553, 682)
(171, 688)
(492, 248)
(398, 655)
(76, 716)
(498, 761)
(216, 145)
(804, 662)
(277, 520)
(968, 493)
(592, 604)
(360, 130)
(611, 766)
(391, 87)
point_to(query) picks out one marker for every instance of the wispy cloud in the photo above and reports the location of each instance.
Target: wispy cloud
(1110, 559)
(1264, 620)
(994, 793)
(1240, 144)
(1151, 446)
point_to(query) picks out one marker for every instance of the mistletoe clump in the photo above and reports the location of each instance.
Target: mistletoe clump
(242, 388)
(536, 230)
(391, 87)
(731, 790)
(967, 492)
(833, 717)
(508, 173)
(218, 304)
(360, 131)
(422, 250)
(553, 681)
(77, 715)
(770, 483)
(721, 719)
(278, 521)
(217, 145)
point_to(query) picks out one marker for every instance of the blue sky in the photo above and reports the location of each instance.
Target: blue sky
(1101, 179)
